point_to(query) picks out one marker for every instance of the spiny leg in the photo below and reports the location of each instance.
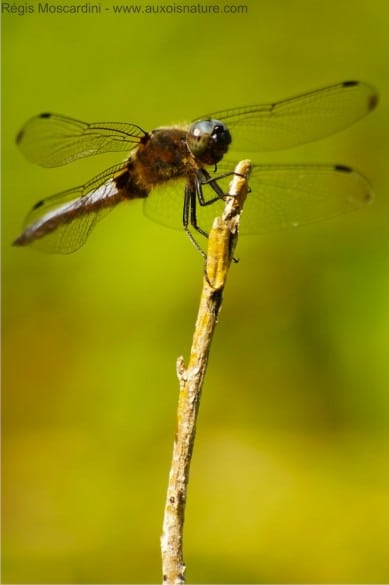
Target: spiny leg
(194, 192)
(189, 212)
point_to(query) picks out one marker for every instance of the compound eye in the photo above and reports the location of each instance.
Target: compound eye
(208, 140)
(199, 136)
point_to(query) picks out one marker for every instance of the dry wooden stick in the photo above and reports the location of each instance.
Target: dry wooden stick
(221, 244)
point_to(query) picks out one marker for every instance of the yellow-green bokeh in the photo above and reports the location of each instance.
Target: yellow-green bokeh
(290, 480)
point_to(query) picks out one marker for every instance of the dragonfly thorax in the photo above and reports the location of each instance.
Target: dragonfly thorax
(208, 140)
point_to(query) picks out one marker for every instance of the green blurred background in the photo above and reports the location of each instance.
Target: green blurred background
(290, 477)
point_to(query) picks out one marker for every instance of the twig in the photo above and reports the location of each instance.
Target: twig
(221, 244)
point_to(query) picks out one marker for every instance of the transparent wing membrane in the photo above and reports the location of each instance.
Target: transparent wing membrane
(280, 196)
(51, 140)
(297, 120)
(293, 195)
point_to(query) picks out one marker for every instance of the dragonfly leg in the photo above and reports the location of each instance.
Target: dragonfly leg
(194, 193)
(206, 179)
(189, 216)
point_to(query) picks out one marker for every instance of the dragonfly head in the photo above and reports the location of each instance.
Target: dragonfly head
(208, 140)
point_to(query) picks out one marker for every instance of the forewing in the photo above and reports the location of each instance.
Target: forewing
(297, 120)
(51, 140)
(62, 223)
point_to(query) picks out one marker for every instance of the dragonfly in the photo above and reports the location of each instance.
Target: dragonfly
(180, 171)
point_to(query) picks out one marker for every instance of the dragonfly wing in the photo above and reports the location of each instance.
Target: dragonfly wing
(62, 223)
(292, 195)
(297, 120)
(51, 140)
(281, 196)
(165, 204)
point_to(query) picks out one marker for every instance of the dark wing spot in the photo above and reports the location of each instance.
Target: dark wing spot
(45, 115)
(19, 136)
(343, 169)
(368, 196)
(38, 204)
(372, 101)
